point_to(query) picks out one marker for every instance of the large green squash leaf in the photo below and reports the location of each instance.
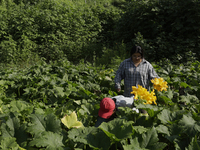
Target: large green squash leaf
(117, 129)
(151, 140)
(189, 125)
(134, 145)
(174, 132)
(40, 123)
(98, 139)
(188, 99)
(9, 143)
(80, 134)
(194, 144)
(21, 107)
(8, 128)
(49, 140)
(166, 116)
(71, 121)
(13, 128)
(162, 129)
(140, 129)
(92, 136)
(181, 143)
(165, 97)
(148, 141)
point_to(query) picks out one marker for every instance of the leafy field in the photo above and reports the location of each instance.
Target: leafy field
(33, 101)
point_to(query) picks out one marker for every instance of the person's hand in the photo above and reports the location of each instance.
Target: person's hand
(118, 90)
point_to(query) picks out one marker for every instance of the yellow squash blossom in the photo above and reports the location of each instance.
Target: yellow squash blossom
(144, 94)
(159, 84)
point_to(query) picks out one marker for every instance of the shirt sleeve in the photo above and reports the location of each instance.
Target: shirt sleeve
(119, 76)
(152, 73)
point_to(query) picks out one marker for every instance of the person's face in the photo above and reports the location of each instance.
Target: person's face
(136, 57)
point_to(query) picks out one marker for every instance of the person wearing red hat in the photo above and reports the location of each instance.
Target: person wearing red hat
(107, 111)
(108, 107)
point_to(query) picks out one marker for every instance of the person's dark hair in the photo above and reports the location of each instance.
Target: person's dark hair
(114, 99)
(137, 49)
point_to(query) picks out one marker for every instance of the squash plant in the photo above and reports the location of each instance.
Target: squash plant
(35, 102)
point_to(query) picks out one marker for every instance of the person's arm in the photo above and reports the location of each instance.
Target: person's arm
(152, 73)
(99, 121)
(119, 76)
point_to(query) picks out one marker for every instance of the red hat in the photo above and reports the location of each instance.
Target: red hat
(107, 106)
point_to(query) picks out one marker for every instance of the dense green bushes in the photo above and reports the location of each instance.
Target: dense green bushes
(170, 28)
(98, 31)
(53, 29)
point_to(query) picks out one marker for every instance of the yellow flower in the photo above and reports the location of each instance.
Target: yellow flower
(144, 94)
(151, 98)
(159, 84)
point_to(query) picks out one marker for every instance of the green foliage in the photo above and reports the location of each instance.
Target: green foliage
(100, 31)
(54, 29)
(149, 140)
(49, 140)
(169, 29)
(117, 129)
(34, 100)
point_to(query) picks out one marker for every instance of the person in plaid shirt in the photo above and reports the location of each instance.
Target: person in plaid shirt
(135, 71)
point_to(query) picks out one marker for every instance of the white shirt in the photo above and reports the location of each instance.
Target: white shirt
(122, 101)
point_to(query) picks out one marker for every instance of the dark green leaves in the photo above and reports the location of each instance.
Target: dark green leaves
(13, 131)
(49, 140)
(46, 131)
(195, 144)
(9, 143)
(103, 136)
(189, 125)
(117, 129)
(148, 140)
(167, 116)
(92, 136)
(41, 123)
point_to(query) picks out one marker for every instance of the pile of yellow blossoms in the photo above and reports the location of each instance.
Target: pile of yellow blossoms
(142, 93)
(159, 84)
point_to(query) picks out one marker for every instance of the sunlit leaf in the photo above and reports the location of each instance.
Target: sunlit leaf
(71, 121)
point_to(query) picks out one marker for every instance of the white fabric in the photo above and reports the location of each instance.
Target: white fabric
(122, 101)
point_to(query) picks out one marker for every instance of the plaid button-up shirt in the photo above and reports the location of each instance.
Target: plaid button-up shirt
(134, 76)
